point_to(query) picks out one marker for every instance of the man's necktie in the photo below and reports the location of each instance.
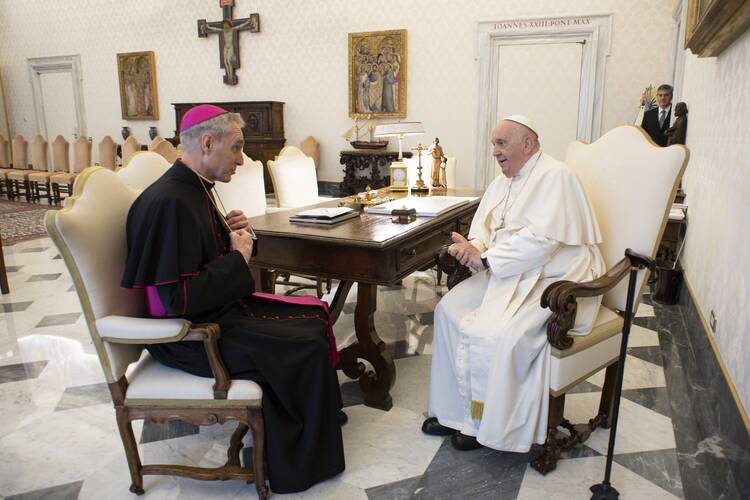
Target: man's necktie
(662, 116)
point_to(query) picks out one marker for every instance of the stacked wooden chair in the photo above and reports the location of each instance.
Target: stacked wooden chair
(130, 147)
(108, 153)
(143, 169)
(62, 183)
(164, 148)
(5, 164)
(18, 177)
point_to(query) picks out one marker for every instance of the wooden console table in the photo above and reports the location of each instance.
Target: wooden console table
(370, 162)
(264, 128)
(369, 250)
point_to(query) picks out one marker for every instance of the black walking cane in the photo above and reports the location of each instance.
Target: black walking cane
(604, 490)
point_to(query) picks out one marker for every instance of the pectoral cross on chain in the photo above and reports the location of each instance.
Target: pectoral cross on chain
(228, 30)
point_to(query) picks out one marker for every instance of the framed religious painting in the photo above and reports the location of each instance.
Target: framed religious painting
(712, 25)
(377, 74)
(138, 96)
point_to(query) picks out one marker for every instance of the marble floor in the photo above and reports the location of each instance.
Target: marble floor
(58, 437)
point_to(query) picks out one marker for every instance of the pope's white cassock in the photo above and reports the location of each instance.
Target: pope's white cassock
(490, 367)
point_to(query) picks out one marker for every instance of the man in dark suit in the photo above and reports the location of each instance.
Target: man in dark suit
(656, 120)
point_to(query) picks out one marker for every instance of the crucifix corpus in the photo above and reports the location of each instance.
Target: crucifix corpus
(228, 30)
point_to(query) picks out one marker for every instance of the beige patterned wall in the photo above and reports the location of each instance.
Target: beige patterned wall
(717, 182)
(300, 58)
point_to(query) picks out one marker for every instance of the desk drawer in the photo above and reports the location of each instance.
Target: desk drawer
(417, 252)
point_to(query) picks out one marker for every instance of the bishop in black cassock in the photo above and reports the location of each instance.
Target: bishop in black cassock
(179, 252)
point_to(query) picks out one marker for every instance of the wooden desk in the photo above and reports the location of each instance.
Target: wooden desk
(370, 250)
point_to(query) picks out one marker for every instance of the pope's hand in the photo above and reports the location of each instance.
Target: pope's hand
(242, 242)
(464, 252)
(237, 220)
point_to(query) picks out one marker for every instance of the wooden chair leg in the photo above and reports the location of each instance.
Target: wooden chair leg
(544, 458)
(255, 418)
(131, 451)
(319, 287)
(607, 401)
(27, 189)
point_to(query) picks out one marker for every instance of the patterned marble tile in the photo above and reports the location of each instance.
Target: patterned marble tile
(639, 429)
(585, 386)
(44, 277)
(153, 431)
(580, 451)
(84, 395)
(644, 311)
(58, 319)
(642, 337)
(13, 269)
(398, 490)
(22, 371)
(67, 491)
(651, 354)
(476, 474)
(653, 398)
(572, 479)
(57, 257)
(638, 374)
(34, 249)
(658, 466)
(14, 306)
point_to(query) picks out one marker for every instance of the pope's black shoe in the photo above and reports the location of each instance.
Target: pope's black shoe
(464, 443)
(432, 427)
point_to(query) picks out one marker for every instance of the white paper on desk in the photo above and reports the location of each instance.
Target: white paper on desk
(324, 213)
(431, 206)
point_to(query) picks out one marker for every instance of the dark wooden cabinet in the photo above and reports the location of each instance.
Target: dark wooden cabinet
(264, 128)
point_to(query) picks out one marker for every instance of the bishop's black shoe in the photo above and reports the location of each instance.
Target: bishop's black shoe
(464, 443)
(343, 419)
(432, 427)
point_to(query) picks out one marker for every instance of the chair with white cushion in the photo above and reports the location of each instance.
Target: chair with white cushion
(632, 214)
(143, 169)
(246, 190)
(295, 185)
(89, 233)
(165, 148)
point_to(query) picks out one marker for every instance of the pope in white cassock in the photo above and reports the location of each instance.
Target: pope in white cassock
(490, 366)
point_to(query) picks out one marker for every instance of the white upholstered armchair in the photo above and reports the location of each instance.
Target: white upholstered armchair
(631, 184)
(89, 232)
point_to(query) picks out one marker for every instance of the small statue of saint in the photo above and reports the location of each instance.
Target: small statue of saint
(677, 132)
(436, 151)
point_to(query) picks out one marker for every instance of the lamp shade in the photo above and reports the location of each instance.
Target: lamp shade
(398, 129)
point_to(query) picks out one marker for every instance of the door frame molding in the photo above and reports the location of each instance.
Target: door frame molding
(60, 64)
(593, 30)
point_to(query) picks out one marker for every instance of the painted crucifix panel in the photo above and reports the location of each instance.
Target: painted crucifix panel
(228, 30)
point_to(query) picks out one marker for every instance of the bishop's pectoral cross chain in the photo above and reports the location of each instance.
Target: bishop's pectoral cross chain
(229, 44)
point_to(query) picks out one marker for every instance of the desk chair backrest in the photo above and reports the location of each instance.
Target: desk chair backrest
(246, 191)
(20, 148)
(630, 183)
(81, 154)
(4, 152)
(164, 148)
(107, 153)
(294, 180)
(60, 155)
(89, 232)
(129, 148)
(39, 153)
(143, 169)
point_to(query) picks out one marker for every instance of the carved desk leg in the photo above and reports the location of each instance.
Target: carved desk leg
(376, 385)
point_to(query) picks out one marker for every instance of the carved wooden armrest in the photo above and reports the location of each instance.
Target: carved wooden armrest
(455, 272)
(209, 333)
(561, 297)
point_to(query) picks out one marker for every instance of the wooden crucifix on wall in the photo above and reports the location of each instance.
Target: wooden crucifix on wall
(228, 30)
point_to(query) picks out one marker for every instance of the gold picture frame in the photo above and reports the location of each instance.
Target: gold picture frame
(712, 25)
(377, 74)
(138, 95)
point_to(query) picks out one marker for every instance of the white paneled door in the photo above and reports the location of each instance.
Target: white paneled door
(542, 81)
(59, 105)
